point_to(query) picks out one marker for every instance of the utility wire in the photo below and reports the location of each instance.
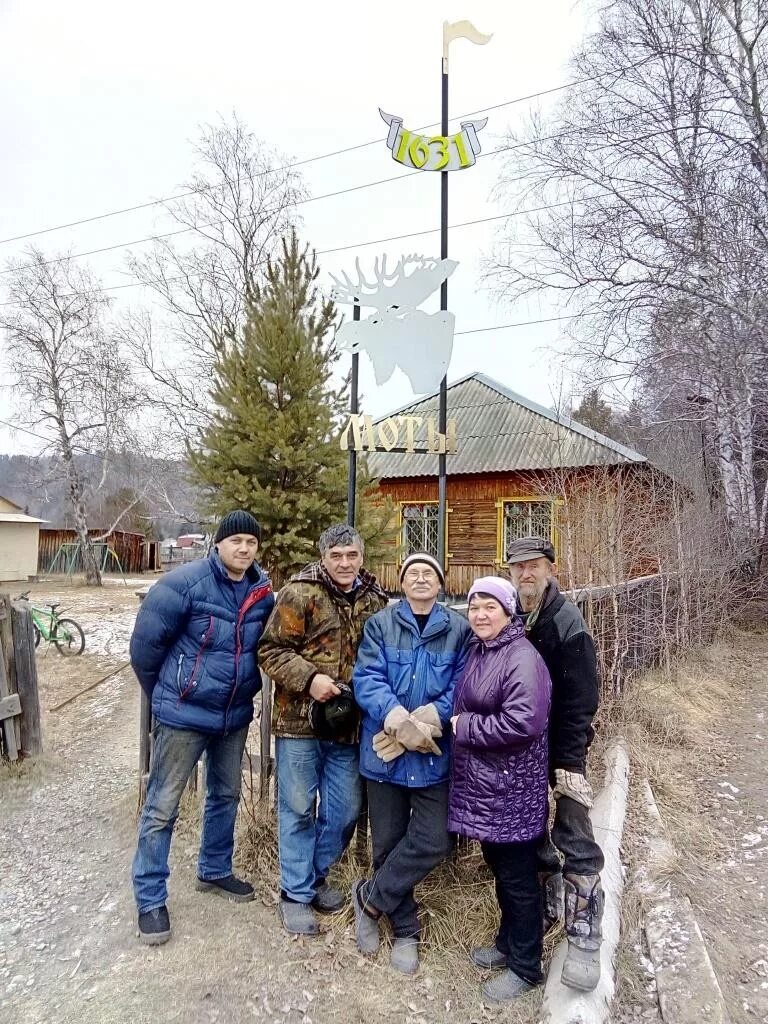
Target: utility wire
(573, 130)
(321, 156)
(372, 241)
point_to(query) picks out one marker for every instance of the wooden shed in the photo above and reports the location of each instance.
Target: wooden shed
(522, 469)
(19, 540)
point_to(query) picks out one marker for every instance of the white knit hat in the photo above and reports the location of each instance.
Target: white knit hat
(425, 559)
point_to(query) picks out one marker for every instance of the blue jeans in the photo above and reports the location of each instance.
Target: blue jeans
(313, 836)
(175, 752)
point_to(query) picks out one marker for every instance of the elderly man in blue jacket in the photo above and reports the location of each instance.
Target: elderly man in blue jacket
(407, 665)
(194, 651)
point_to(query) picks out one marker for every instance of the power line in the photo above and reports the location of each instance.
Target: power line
(573, 130)
(363, 244)
(315, 159)
(524, 323)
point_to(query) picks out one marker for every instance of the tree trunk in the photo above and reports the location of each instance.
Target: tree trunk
(90, 565)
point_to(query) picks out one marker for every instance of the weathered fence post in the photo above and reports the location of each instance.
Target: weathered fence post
(265, 737)
(19, 697)
(6, 643)
(9, 704)
(23, 633)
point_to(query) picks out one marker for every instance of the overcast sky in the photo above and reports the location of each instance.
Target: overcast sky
(102, 102)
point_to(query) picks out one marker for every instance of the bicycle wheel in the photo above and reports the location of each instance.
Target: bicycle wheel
(37, 634)
(68, 637)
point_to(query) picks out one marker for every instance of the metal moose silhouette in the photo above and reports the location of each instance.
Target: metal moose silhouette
(398, 333)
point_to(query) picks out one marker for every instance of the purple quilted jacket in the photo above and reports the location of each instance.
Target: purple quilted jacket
(499, 767)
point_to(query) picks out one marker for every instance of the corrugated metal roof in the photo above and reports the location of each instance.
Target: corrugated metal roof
(499, 431)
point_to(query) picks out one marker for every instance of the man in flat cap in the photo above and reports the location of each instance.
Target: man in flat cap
(194, 651)
(556, 628)
(409, 659)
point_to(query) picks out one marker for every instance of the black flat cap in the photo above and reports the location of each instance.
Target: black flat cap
(530, 547)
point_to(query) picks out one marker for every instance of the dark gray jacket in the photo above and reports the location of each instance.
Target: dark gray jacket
(561, 637)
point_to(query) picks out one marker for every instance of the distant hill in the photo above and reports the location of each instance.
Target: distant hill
(167, 508)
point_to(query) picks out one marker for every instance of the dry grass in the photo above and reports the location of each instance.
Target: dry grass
(670, 719)
(458, 907)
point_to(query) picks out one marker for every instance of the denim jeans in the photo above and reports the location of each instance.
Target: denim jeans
(313, 835)
(520, 901)
(573, 837)
(175, 752)
(409, 830)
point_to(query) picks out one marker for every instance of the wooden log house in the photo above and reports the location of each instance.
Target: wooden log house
(522, 469)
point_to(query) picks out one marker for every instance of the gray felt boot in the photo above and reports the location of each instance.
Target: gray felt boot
(298, 918)
(488, 957)
(584, 904)
(405, 955)
(366, 927)
(504, 987)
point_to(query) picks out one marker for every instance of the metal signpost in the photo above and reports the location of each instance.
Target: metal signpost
(399, 333)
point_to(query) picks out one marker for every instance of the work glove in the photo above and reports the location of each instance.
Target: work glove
(394, 718)
(416, 736)
(387, 747)
(427, 714)
(573, 785)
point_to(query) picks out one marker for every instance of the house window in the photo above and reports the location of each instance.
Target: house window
(526, 519)
(420, 529)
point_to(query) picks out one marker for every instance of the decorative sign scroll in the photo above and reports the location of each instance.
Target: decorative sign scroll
(361, 434)
(434, 152)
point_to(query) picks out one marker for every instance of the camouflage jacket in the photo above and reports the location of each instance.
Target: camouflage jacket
(314, 628)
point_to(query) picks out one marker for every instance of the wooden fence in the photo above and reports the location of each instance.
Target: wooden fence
(19, 700)
(133, 550)
(636, 625)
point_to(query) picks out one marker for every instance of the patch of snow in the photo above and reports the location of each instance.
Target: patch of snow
(108, 635)
(728, 785)
(751, 839)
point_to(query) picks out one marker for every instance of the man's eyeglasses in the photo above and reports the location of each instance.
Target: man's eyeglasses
(429, 576)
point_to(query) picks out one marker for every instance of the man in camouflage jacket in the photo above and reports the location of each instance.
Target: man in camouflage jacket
(308, 648)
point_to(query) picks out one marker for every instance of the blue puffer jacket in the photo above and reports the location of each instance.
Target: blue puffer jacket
(194, 651)
(397, 665)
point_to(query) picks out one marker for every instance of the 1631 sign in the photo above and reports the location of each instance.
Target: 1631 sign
(433, 152)
(397, 434)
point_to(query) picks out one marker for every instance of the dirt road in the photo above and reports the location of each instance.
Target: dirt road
(68, 945)
(731, 897)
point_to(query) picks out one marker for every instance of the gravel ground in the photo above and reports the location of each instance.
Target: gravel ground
(68, 945)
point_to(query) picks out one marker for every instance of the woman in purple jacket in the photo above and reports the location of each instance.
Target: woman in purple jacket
(499, 779)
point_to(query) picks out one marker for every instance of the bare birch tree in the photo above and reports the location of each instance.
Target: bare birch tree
(656, 235)
(230, 218)
(70, 375)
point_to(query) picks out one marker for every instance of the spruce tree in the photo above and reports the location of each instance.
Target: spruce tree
(272, 445)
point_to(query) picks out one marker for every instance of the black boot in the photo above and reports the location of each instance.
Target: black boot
(155, 927)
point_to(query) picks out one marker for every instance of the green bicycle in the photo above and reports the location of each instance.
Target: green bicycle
(49, 626)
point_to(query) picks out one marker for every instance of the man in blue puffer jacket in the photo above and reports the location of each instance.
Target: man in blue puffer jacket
(408, 662)
(194, 651)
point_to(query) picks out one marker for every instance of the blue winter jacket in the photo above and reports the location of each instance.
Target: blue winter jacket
(397, 665)
(194, 651)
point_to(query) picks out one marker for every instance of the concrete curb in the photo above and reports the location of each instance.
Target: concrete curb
(686, 982)
(563, 1005)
